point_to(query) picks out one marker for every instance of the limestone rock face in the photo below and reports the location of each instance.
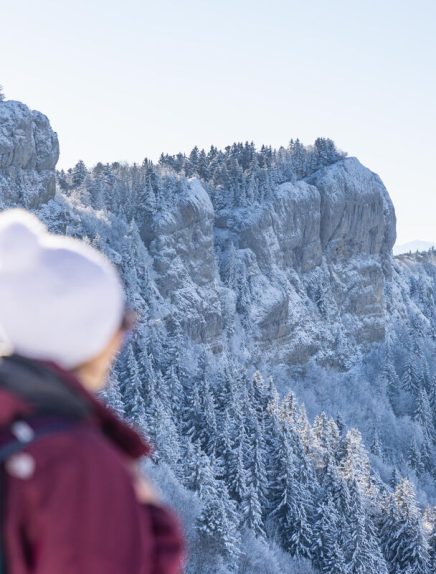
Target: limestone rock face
(29, 151)
(180, 239)
(314, 257)
(357, 216)
(301, 276)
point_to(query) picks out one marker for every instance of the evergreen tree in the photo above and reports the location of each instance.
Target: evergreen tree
(327, 553)
(252, 511)
(409, 379)
(354, 459)
(112, 395)
(431, 520)
(236, 471)
(403, 541)
(79, 173)
(423, 414)
(414, 457)
(218, 519)
(131, 390)
(364, 554)
(289, 505)
(256, 470)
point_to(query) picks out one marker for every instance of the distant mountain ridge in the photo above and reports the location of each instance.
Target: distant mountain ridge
(413, 246)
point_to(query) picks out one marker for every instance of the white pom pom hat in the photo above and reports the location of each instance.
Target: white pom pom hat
(60, 299)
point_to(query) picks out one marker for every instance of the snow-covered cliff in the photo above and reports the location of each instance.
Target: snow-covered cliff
(29, 152)
(297, 277)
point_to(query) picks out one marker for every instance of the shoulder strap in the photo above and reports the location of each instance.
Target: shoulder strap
(23, 435)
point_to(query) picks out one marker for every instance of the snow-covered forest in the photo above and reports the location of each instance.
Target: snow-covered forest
(284, 362)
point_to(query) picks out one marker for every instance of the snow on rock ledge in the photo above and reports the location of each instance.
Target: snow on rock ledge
(29, 151)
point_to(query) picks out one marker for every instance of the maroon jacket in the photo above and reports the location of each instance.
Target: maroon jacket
(74, 511)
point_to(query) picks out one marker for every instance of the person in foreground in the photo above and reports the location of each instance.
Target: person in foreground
(72, 500)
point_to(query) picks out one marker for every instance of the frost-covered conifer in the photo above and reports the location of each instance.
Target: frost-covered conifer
(326, 550)
(236, 471)
(112, 395)
(363, 552)
(403, 540)
(290, 504)
(423, 414)
(410, 378)
(79, 173)
(132, 389)
(218, 519)
(354, 460)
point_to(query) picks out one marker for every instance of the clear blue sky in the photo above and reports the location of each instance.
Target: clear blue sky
(122, 80)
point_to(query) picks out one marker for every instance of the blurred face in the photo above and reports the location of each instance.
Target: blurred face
(94, 373)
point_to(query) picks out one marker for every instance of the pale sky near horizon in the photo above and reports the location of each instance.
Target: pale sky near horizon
(121, 81)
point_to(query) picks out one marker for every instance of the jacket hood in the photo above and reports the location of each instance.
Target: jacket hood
(40, 388)
(29, 388)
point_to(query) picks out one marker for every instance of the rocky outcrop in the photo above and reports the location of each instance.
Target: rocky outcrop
(357, 215)
(29, 151)
(310, 264)
(180, 241)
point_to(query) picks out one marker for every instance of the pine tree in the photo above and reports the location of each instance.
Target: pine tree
(224, 445)
(218, 519)
(432, 538)
(192, 414)
(423, 414)
(165, 437)
(376, 447)
(112, 395)
(236, 471)
(209, 430)
(298, 158)
(403, 541)
(131, 390)
(390, 379)
(326, 439)
(409, 379)
(289, 505)
(414, 457)
(79, 173)
(256, 470)
(175, 392)
(252, 511)
(354, 459)
(327, 553)
(336, 489)
(364, 554)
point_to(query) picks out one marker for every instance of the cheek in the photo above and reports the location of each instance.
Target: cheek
(115, 346)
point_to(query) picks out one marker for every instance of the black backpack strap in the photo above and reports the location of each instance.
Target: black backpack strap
(22, 436)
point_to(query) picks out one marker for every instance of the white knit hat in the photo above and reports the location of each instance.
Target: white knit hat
(60, 299)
